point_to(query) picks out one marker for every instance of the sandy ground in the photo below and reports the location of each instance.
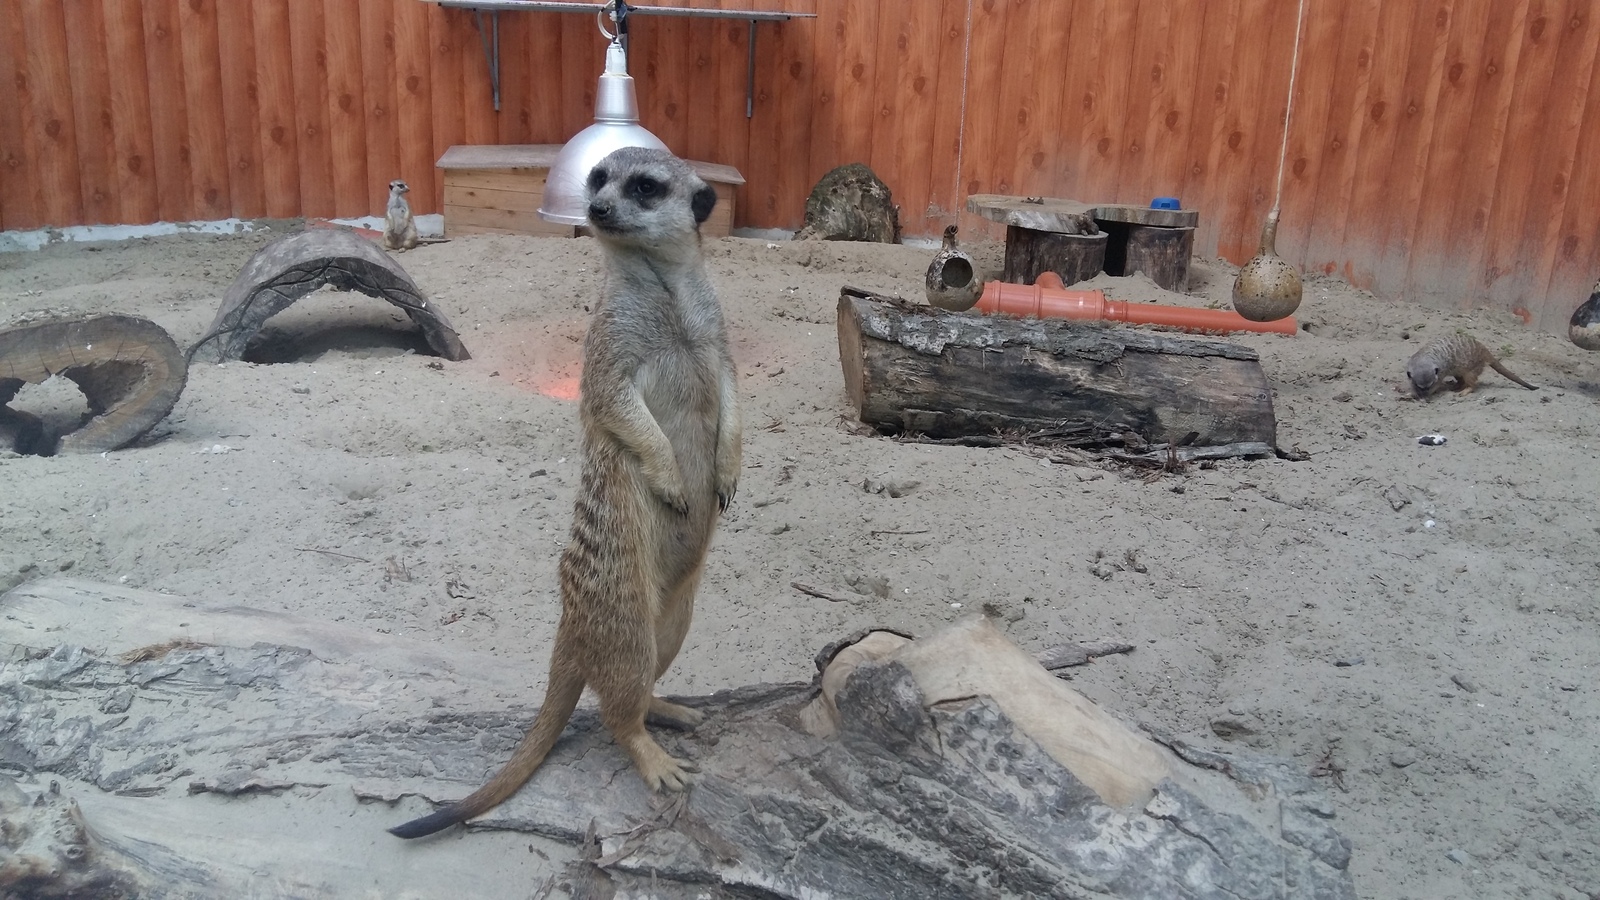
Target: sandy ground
(1418, 624)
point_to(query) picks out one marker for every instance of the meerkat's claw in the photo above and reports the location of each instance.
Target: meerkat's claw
(676, 500)
(660, 770)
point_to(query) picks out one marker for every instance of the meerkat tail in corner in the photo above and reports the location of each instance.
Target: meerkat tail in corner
(559, 701)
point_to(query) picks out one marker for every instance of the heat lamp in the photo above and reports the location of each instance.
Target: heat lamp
(616, 125)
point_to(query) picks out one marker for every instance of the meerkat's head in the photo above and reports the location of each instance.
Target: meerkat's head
(1423, 370)
(398, 187)
(642, 196)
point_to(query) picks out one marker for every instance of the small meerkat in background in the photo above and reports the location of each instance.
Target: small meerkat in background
(1459, 356)
(661, 455)
(399, 228)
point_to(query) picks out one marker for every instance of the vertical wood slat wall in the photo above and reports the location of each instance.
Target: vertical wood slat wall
(1446, 151)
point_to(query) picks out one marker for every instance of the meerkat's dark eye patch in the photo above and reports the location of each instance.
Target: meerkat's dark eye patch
(597, 179)
(702, 203)
(644, 189)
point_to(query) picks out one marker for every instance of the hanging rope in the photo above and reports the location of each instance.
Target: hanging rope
(1288, 113)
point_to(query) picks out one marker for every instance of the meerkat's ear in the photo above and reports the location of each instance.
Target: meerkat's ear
(702, 203)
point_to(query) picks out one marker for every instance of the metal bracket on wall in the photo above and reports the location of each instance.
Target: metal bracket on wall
(491, 39)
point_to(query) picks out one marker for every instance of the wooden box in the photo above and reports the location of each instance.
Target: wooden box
(498, 189)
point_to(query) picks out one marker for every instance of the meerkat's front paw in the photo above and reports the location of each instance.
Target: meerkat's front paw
(674, 497)
(668, 487)
(725, 492)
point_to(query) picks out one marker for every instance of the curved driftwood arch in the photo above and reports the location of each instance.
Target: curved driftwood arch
(293, 266)
(129, 369)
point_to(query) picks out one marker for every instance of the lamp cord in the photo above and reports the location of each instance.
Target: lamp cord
(1288, 112)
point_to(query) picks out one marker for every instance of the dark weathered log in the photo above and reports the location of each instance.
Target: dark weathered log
(1161, 253)
(950, 766)
(911, 369)
(293, 266)
(129, 369)
(1075, 257)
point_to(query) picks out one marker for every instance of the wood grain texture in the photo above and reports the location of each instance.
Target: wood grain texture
(280, 132)
(1437, 150)
(309, 50)
(46, 102)
(20, 203)
(347, 119)
(377, 31)
(241, 108)
(92, 113)
(202, 95)
(414, 105)
(168, 121)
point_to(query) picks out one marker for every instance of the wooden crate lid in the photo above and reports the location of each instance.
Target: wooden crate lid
(543, 156)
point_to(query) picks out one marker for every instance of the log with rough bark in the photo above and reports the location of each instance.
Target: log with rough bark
(208, 750)
(297, 264)
(129, 369)
(912, 369)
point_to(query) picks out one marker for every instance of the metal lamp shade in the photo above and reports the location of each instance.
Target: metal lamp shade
(616, 125)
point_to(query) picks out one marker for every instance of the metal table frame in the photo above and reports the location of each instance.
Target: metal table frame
(490, 38)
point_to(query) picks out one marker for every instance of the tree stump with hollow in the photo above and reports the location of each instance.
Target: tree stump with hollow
(293, 266)
(129, 369)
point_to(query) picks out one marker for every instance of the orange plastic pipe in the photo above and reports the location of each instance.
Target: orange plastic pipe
(1048, 298)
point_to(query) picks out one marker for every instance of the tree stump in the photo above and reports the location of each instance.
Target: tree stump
(1161, 253)
(129, 369)
(851, 203)
(910, 369)
(1042, 234)
(1074, 257)
(293, 266)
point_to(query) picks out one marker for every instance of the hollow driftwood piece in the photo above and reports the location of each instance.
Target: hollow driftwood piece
(128, 368)
(909, 369)
(297, 264)
(956, 766)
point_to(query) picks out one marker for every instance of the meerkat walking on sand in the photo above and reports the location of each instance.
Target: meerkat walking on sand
(1458, 356)
(399, 228)
(661, 444)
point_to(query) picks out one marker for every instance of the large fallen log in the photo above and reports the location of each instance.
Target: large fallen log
(229, 758)
(910, 369)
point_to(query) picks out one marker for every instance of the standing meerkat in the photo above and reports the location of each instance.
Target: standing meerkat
(1457, 356)
(399, 228)
(661, 445)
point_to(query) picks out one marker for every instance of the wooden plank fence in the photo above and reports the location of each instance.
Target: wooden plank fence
(1446, 151)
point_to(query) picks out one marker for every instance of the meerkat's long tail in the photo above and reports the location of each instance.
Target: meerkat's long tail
(1507, 373)
(560, 699)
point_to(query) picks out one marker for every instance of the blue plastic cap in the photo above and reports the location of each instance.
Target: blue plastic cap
(1165, 203)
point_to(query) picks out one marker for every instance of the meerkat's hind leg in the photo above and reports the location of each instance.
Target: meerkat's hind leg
(1466, 382)
(622, 710)
(673, 715)
(671, 628)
